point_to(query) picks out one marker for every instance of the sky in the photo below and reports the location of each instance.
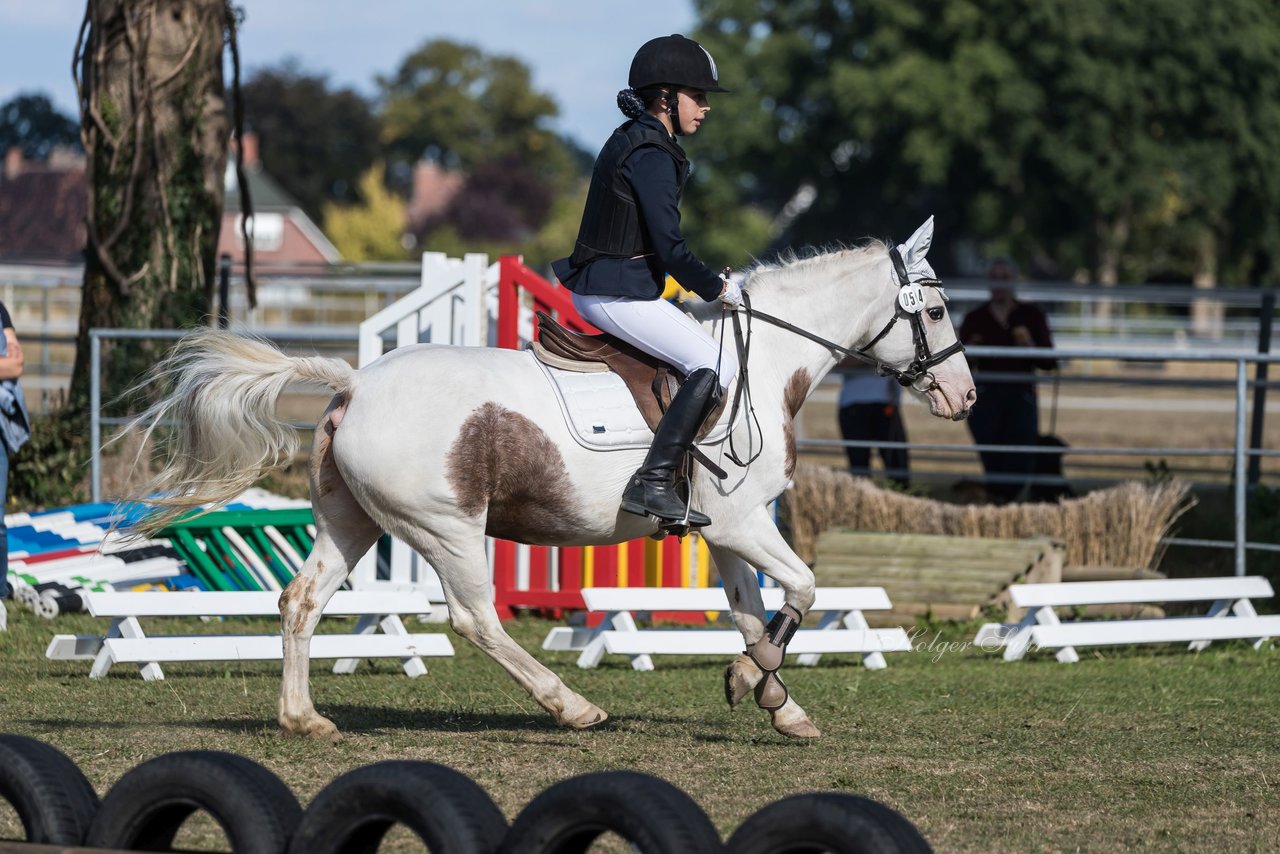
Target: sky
(577, 50)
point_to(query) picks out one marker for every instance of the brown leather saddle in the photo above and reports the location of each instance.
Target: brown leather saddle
(652, 382)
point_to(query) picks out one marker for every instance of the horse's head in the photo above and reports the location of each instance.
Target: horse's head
(918, 341)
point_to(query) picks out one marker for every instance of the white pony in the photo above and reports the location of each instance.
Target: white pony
(441, 446)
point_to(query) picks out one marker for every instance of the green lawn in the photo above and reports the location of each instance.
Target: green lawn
(1150, 749)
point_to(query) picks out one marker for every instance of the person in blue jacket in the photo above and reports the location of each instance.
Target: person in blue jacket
(15, 430)
(630, 240)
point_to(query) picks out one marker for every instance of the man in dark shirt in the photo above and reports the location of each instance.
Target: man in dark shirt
(1007, 412)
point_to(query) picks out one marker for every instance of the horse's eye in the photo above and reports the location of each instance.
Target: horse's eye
(936, 312)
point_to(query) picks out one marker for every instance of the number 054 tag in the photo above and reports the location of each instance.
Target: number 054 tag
(911, 298)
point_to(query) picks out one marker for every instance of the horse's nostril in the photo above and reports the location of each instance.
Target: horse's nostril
(972, 397)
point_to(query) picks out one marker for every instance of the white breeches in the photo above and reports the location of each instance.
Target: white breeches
(661, 329)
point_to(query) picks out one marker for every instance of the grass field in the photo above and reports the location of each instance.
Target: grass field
(1155, 749)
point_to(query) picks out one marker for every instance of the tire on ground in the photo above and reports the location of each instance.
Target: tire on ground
(830, 822)
(650, 813)
(52, 798)
(447, 810)
(147, 806)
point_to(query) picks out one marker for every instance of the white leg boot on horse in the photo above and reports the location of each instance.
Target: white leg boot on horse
(758, 543)
(344, 532)
(652, 490)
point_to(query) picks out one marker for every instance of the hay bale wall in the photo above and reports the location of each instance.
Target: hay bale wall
(1119, 526)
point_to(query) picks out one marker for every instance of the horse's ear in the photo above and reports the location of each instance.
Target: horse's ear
(917, 247)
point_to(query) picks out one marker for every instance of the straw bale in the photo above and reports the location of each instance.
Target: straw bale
(1118, 526)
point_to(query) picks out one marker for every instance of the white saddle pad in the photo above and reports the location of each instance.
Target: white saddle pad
(602, 414)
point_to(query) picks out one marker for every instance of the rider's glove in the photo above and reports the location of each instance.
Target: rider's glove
(731, 293)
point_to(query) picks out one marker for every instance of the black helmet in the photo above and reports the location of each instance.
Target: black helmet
(676, 60)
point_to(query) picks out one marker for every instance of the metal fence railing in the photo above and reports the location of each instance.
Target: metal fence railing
(1241, 452)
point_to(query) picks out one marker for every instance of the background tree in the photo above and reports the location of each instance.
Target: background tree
(316, 141)
(553, 239)
(31, 122)
(479, 115)
(453, 103)
(155, 127)
(1078, 134)
(372, 229)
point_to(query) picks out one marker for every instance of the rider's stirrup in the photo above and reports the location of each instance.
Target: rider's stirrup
(652, 490)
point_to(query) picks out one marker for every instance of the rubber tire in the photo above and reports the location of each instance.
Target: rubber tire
(446, 809)
(52, 797)
(650, 813)
(827, 822)
(146, 807)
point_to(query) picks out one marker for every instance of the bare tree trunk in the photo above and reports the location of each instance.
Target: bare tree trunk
(1111, 236)
(1206, 314)
(156, 130)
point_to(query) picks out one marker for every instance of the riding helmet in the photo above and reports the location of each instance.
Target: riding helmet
(677, 61)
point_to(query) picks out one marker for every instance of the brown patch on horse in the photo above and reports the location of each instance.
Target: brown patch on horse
(303, 589)
(793, 397)
(503, 462)
(322, 469)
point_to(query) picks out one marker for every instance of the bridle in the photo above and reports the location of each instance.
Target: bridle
(908, 306)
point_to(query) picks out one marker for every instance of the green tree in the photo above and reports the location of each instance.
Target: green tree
(1081, 130)
(371, 230)
(317, 141)
(454, 103)
(31, 122)
(479, 114)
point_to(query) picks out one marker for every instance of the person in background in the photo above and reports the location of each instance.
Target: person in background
(870, 410)
(1008, 412)
(15, 429)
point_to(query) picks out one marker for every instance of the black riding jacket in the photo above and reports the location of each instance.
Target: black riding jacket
(630, 236)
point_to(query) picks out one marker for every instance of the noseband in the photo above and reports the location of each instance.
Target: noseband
(908, 306)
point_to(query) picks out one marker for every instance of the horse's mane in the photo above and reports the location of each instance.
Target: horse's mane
(801, 263)
(795, 268)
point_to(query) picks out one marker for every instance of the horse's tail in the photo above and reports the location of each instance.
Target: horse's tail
(222, 401)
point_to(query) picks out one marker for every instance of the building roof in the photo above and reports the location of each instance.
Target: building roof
(42, 214)
(266, 194)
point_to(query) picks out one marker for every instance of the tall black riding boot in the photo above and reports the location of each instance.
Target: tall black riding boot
(652, 491)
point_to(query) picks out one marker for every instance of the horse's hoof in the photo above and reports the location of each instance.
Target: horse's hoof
(792, 722)
(587, 717)
(740, 679)
(316, 728)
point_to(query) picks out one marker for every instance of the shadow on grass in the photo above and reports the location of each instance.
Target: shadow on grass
(352, 719)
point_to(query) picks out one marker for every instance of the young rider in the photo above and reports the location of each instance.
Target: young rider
(630, 240)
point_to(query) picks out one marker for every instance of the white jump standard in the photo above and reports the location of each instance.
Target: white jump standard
(126, 642)
(1231, 615)
(842, 629)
